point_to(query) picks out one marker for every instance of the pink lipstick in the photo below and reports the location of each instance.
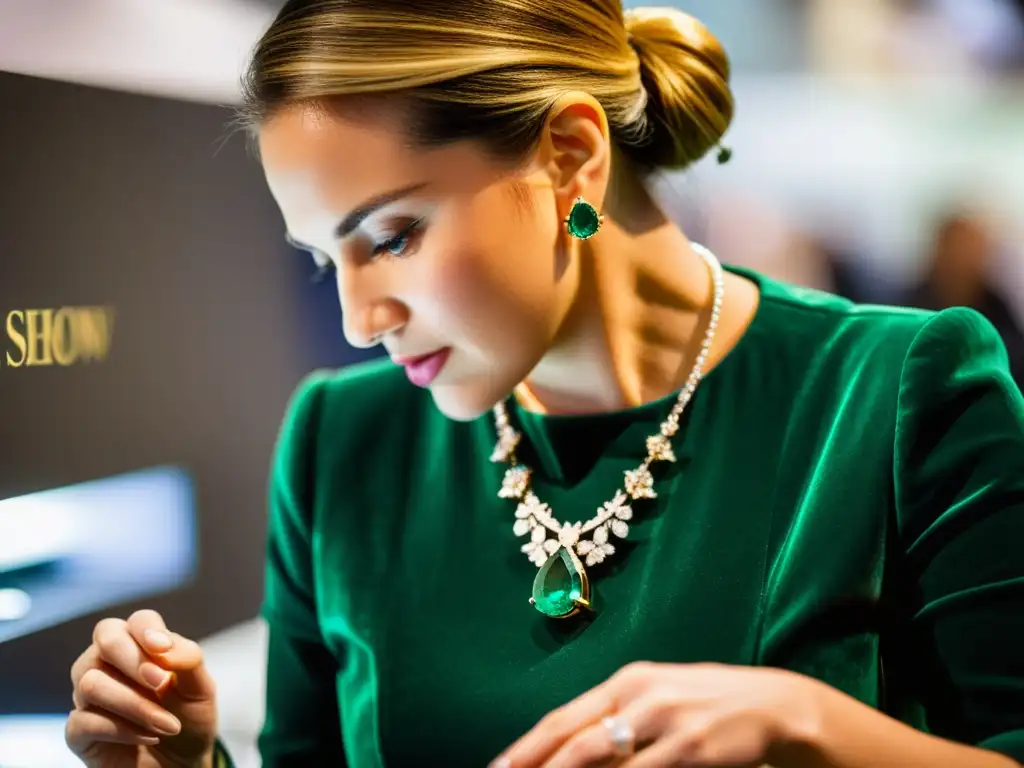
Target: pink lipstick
(422, 370)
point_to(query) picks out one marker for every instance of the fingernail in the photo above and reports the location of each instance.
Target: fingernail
(165, 723)
(501, 762)
(153, 675)
(158, 641)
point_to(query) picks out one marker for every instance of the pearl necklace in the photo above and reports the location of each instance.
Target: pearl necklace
(561, 587)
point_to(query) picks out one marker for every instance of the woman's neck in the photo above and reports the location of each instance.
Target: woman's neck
(637, 322)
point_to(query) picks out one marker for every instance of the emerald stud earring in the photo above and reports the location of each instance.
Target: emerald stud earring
(583, 220)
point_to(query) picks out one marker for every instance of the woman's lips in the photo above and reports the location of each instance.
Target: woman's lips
(422, 370)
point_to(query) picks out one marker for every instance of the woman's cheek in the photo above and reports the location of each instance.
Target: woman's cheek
(469, 293)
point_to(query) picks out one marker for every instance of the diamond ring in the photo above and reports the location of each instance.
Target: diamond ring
(622, 736)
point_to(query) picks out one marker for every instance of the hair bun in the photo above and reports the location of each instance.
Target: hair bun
(685, 71)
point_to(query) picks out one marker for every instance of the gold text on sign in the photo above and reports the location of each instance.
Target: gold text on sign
(61, 336)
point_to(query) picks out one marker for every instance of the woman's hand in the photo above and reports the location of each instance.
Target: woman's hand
(658, 715)
(143, 698)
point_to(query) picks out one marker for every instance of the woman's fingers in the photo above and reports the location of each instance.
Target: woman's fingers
(116, 647)
(136, 684)
(87, 727)
(172, 656)
(110, 691)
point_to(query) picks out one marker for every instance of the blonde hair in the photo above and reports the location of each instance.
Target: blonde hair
(492, 69)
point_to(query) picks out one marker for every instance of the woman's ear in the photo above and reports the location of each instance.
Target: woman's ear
(578, 149)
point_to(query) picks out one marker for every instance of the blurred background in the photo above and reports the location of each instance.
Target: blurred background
(153, 322)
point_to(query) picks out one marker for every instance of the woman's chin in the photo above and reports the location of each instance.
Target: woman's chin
(464, 403)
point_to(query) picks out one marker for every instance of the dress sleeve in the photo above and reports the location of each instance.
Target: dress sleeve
(959, 493)
(302, 725)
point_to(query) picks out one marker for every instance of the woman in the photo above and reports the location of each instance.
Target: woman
(798, 519)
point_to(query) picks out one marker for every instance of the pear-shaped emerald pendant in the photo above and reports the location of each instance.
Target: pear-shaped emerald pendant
(561, 587)
(583, 220)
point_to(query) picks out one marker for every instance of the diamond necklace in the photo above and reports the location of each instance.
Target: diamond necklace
(561, 587)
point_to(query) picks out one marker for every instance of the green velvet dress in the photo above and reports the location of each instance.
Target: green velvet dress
(848, 503)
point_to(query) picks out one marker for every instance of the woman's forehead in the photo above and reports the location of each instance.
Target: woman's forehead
(306, 140)
(347, 156)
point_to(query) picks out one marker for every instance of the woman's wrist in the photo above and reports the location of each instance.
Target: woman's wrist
(833, 730)
(801, 728)
(216, 757)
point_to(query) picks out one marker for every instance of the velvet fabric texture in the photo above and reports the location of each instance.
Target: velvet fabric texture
(848, 503)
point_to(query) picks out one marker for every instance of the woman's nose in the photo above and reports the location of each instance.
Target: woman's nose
(369, 326)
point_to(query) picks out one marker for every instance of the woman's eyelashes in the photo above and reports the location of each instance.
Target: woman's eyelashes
(323, 271)
(402, 244)
(323, 264)
(397, 246)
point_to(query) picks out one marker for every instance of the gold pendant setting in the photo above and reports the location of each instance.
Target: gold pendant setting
(561, 588)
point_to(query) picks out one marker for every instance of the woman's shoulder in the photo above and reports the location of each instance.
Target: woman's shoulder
(335, 409)
(368, 384)
(826, 312)
(802, 336)
(820, 322)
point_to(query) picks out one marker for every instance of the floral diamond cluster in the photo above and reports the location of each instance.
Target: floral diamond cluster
(533, 518)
